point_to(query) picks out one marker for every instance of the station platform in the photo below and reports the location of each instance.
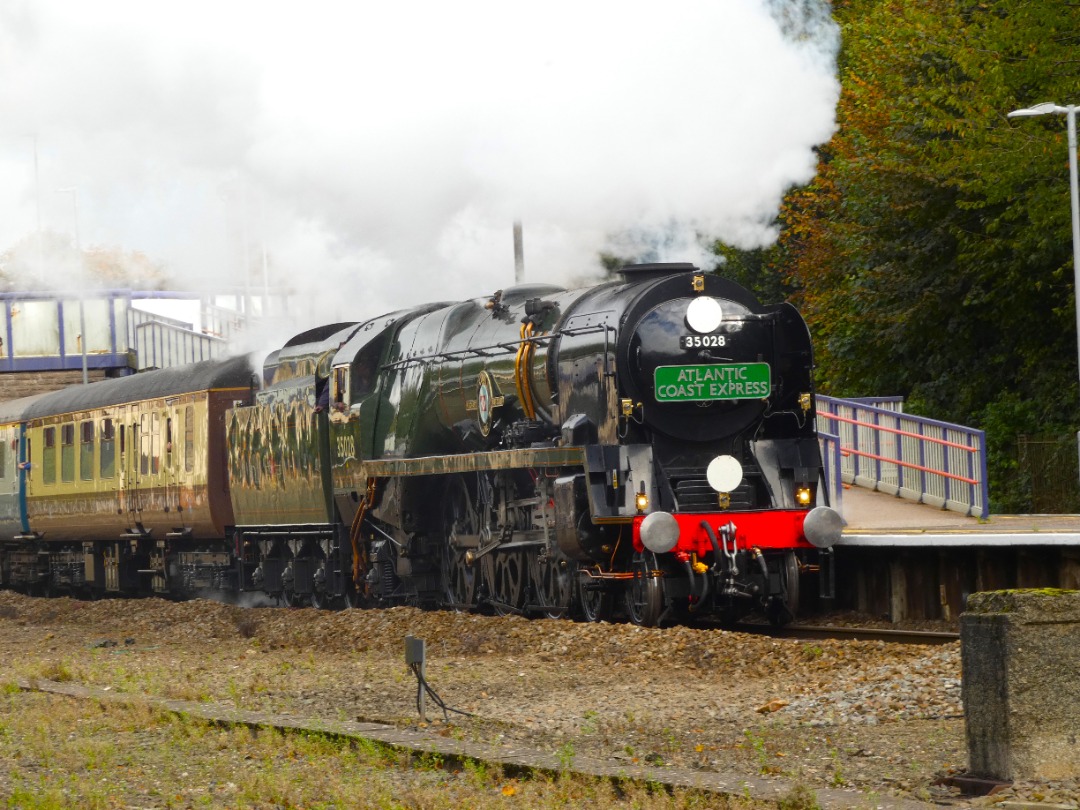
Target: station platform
(881, 520)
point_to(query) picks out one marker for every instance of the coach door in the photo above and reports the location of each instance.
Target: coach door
(9, 480)
(128, 466)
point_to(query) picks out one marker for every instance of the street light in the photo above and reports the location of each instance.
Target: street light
(74, 192)
(1069, 111)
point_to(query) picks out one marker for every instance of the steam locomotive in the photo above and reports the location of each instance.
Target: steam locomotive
(644, 448)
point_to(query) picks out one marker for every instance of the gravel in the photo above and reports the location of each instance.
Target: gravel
(882, 717)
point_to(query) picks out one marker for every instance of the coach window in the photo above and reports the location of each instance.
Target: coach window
(67, 452)
(144, 445)
(108, 449)
(86, 451)
(155, 443)
(168, 443)
(189, 438)
(3, 456)
(48, 456)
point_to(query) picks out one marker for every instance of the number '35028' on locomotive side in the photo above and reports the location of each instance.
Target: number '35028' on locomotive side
(645, 448)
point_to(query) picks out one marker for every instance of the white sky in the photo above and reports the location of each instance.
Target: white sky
(379, 152)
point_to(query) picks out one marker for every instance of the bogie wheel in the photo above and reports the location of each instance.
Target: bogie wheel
(644, 595)
(782, 609)
(292, 599)
(594, 599)
(553, 580)
(458, 519)
(320, 600)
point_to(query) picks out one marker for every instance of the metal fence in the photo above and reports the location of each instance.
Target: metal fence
(160, 345)
(1050, 465)
(919, 459)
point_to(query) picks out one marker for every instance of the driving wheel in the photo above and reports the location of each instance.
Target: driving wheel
(458, 520)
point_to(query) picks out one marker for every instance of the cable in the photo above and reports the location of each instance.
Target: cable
(423, 686)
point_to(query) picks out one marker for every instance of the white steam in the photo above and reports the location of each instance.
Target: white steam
(377, 153)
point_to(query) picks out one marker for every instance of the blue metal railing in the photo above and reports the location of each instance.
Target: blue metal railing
(830, 453)
(919, 459)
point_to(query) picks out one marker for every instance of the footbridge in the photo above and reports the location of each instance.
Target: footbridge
(919, 534)
(112, 331)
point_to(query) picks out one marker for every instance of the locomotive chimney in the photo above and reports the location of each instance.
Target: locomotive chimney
(519, 254)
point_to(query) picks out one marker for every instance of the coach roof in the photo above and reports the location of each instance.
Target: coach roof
(236, 372)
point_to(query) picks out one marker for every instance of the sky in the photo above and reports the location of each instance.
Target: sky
(369, 156)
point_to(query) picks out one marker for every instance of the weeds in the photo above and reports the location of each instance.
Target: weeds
(565, 755)
(799, 797)
(757, 743)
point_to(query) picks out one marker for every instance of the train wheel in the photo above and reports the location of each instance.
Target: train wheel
(458, 518)
(782, 609)
(291, 598)
(595, 600)
(507, 578)
(320, 600)
(553, 581)
(352, 598)
(645, 592)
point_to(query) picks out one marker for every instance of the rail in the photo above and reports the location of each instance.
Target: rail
(918, 459)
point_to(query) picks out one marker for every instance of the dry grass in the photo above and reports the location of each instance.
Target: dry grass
(58, 752)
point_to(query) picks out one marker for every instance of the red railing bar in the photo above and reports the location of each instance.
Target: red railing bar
(909, 465)
(897, 431)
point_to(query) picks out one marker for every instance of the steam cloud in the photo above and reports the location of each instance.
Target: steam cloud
(376, 154)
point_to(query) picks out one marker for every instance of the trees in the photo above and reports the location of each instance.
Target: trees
(51, 264)
(932, 254)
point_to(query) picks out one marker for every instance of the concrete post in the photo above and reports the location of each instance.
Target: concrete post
(1020, 652)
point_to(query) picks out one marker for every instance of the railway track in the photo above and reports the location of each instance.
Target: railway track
(850, 633)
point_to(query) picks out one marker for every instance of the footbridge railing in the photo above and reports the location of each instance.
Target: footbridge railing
(919, 459)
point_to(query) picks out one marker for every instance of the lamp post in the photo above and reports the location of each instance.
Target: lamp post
(74, 192)
(1069, 111)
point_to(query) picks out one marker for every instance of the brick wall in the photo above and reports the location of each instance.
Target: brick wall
(26, 383)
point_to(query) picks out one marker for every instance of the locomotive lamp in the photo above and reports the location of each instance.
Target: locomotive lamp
(704, 315)
(642, 500)
(802, 495)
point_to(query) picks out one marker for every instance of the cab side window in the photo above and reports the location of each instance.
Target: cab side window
(340, 392)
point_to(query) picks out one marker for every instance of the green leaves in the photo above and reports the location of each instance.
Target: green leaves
(932, 253)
